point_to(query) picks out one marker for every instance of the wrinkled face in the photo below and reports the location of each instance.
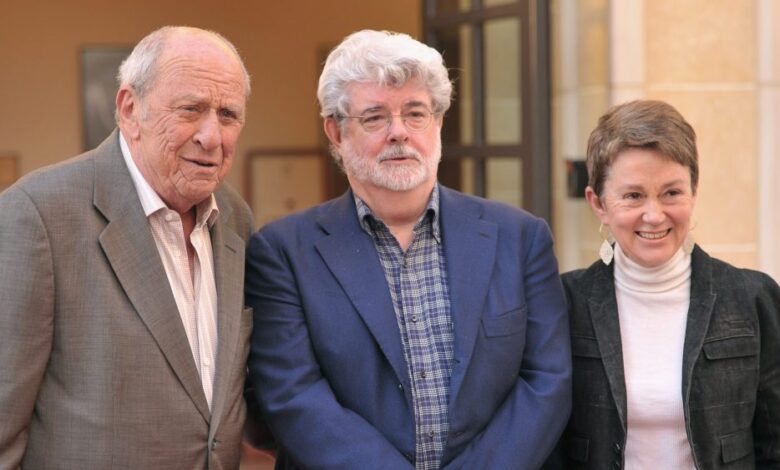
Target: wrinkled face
(395, 158)
(184, 130)
(647, 204)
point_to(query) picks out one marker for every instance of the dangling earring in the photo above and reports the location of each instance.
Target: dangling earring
(606, 253)
(689, 243)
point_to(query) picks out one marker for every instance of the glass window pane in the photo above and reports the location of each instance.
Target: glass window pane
(452, 6)
(502, 81)
(456, 46)
(503, 180)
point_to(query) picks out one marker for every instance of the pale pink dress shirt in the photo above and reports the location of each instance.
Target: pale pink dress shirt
(193, 284)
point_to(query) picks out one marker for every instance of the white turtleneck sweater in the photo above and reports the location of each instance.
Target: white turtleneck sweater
(653, 309)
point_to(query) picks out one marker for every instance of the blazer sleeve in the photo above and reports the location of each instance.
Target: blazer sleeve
(526, 427)
(766, 422)
(296, 400)
(26, 318)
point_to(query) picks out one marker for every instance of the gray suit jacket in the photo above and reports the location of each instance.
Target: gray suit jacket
(95, 367)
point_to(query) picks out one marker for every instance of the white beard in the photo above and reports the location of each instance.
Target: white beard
(393, 177)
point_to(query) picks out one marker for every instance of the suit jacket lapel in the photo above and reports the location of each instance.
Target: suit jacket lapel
(604, 315)
(469, 251)
(228, 249)
(351, 257)
(699, 315)
(131, 251)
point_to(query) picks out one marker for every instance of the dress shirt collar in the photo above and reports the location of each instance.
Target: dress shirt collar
(365, 216)
(207, 211)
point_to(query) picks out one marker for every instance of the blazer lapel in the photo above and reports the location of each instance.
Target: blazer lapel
(470, 251)
(604, 315)
(131, 251)
(228, 249)
(699, 314)
(351, 257)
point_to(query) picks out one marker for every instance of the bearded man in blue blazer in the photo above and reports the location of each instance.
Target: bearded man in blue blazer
(404, 324)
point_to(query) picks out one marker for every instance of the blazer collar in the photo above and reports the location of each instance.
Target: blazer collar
(699, 314)
(131, 251)
(228, 249)
(604, 315)
(470, 252)
(349, 253)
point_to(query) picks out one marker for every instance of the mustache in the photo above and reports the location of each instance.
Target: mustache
(398, 151)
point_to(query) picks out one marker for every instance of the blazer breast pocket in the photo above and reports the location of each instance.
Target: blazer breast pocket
(735, 352)
(506, 324)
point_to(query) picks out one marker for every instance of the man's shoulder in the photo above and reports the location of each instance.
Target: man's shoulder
(497, 211)
(511, 221)
(60, 180)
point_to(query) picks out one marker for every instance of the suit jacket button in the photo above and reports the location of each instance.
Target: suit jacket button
(616, 465)
(409, 457)
(401, 387)
(617, 448)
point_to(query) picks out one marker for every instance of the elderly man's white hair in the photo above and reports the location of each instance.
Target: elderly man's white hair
(139, 69)
(387, 59)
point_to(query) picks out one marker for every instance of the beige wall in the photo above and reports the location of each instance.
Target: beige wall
(702, 56)
(280, 43)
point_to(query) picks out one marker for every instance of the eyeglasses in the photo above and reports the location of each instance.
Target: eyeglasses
(415, 120)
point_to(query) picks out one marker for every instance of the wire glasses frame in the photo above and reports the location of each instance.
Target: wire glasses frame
(415, 120)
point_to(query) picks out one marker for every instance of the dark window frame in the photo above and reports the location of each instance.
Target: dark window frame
(535, 149)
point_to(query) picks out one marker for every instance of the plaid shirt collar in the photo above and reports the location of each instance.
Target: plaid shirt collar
(366, 217)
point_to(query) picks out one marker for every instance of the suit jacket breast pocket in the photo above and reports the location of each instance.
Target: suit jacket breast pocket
(726, 376)
(506, 324)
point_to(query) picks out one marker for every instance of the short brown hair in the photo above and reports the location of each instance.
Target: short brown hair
(646, 124)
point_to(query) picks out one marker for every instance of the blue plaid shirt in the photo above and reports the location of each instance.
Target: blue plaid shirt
(417, 280)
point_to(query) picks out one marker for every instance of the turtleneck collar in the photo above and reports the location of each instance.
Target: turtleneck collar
(665, 277)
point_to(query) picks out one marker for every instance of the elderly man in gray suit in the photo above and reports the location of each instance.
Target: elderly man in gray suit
(123, 337)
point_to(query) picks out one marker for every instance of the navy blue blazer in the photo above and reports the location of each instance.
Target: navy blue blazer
(326, 358)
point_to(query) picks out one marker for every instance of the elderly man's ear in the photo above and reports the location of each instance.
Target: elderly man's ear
(126, 108)
(333, 130)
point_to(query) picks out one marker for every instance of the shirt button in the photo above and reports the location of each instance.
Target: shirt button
(414, 318)
(422, 374)
(214, 445)
(169, 217)
(431, 434)
(206, 362)
(617, 448)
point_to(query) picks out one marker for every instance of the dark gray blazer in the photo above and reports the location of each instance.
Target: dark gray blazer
(731, 369)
